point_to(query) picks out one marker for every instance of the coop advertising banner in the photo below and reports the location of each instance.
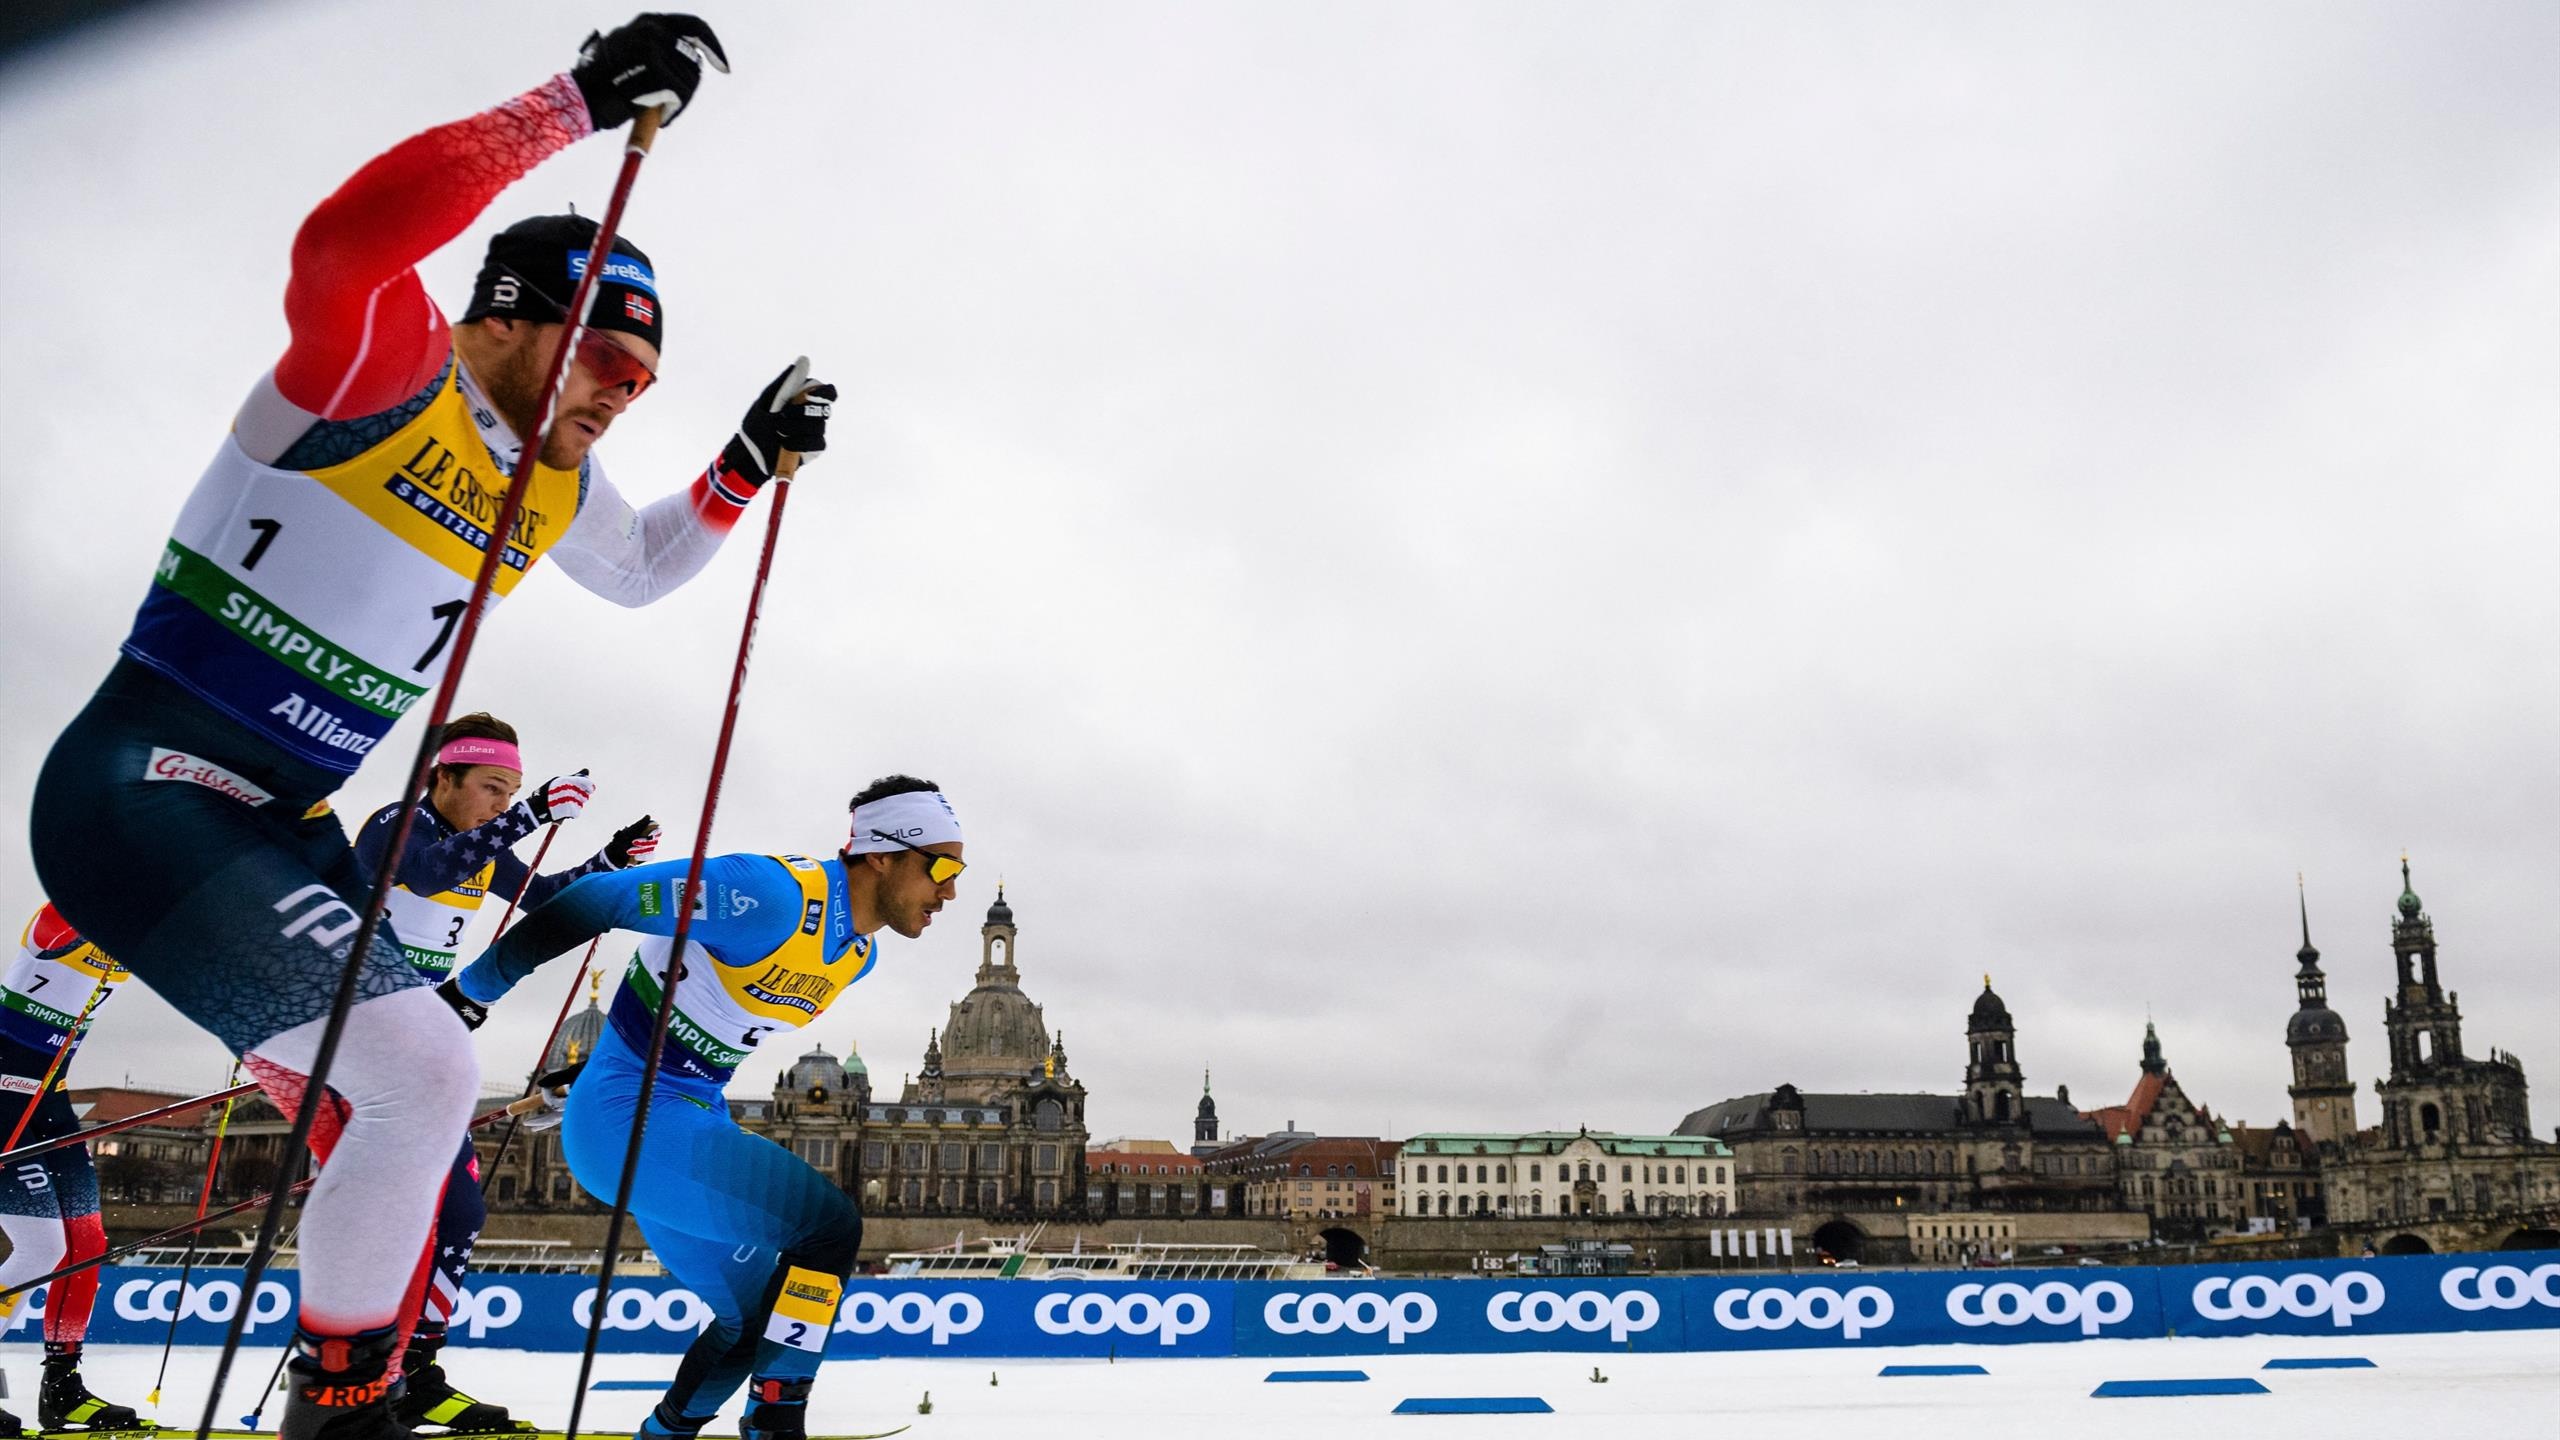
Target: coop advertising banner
(1835, 1308)
(1829, 1308)
(1456, 1316)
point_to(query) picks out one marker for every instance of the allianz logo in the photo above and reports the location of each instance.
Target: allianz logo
(1816, 1307)
(2500, 1287)
(1167, 1318)
(1408, 1312)
(214, 1300)
(2055, 1302)
(2307, 1296)
(1625, 1313)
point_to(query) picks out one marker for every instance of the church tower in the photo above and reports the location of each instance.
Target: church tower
(2424, 1022)
(1995, 1089)
(2324, 1099)
(1204, 1129)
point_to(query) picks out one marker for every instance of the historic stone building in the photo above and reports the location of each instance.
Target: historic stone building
(2174, 1161)
(2456, 1136)
(1993, 1147)
(993, 1124)
(2324, 1094)
(1564, 1172)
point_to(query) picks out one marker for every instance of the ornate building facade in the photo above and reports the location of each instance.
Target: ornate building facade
(1564, 1172)
(991, 1125)
(2456, 1136)
(1993, 1147)
(2174, 1161)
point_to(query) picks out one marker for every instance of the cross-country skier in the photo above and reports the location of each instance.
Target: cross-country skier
(305, 602)
(457, 856)
(765, 1239)
(49, 1204)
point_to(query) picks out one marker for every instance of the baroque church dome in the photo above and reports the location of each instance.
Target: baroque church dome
(995, 1029)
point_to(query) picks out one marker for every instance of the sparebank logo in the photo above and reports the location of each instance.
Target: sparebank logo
(910, 1312)
(1408, 1312)
(2308, 1296)
(484, 1308)
(678, 1311)
(214, 1300)
(1168, 1318)
(2055, 1302)
(1623, 1313)
(1818, 1307)
(2500, 1287)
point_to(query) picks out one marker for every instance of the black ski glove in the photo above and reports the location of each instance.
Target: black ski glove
(632, 844)
(473, 1013)
(654, 60)
(776, 422)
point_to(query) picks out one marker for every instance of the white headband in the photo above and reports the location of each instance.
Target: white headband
(918, 817)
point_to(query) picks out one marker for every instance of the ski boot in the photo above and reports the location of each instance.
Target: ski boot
(11, 1426)
(63, 1402)
(778, 1411)
(425, 1396)
(336, 1388)
(663, 1426)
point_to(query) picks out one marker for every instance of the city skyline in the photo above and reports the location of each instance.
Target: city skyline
(1469, 553)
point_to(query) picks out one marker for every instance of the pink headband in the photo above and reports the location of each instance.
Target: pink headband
(480, 752)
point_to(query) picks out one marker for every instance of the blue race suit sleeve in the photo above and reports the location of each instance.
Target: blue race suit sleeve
(752, 906)
(431, 866)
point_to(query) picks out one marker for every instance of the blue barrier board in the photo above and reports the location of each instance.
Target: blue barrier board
(1293, 1377)
(629, 1385)
(1334, 1321)
(2320, 1362)
(1933, 1370)
(1477, 1405)
(2131, 1389)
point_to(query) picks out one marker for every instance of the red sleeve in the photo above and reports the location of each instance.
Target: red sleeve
(365, 335)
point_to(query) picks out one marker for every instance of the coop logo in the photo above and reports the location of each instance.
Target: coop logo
(910, 1312)
(484, 1308)
(1408, 1312)
(1628, 1312)
(2258, 1297)
(2092, 1307)
(31, 1313)
(214, 1300)
(2500, 1287)
(1818, 1307)
(1168, 1318)
(679, 1311)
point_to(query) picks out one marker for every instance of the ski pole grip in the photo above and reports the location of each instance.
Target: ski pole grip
(644, 128)
(788, 466)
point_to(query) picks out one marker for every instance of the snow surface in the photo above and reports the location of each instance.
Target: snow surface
(2504, 1384)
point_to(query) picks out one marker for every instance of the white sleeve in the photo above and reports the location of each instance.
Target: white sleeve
(629, 556)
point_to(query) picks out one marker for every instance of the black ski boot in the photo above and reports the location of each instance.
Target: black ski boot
(335, 1388)
(11, 1426)
(779, 1410)
(64, 1403)
(425, 1396)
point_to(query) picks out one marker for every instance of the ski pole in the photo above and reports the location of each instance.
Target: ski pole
(61, 1052)
(525, 1106)
(644, 130)
(550, 832)
(204, 1197)
(507, 1141)
(34, 1148)
(788, 464)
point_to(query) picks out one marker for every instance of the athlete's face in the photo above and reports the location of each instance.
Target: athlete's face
(588, 404)
(482, 794)
(909, 895)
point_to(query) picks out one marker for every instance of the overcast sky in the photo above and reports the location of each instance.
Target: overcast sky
(1477, 566)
